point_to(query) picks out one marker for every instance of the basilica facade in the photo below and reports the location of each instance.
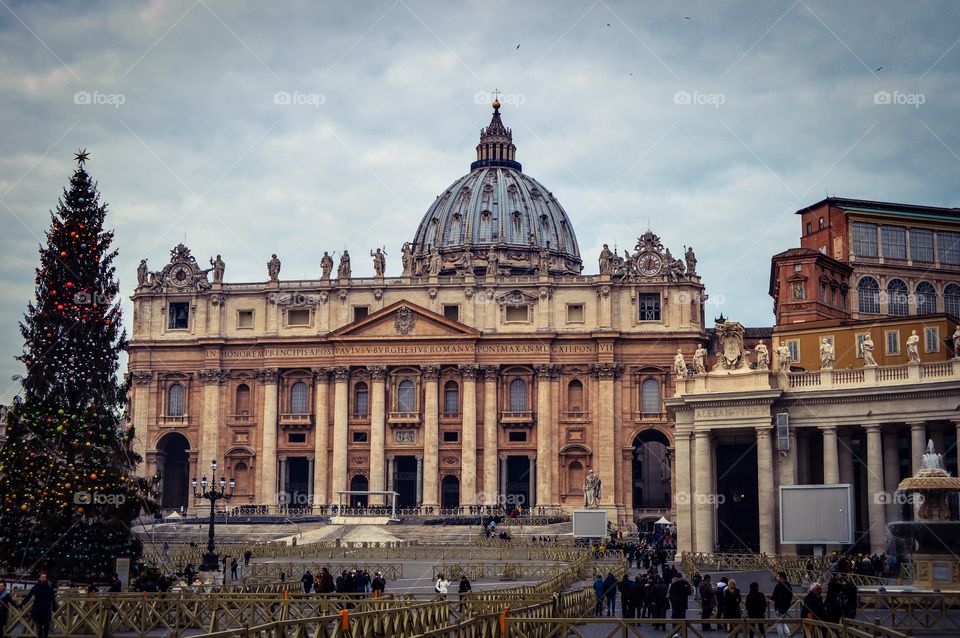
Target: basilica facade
(490, 370)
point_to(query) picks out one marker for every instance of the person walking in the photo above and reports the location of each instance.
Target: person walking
(626, 611)
(44, 598)
(6, 599)
(679, 594)
(756, 605)
(378, 585)
(234, 566)
(307, 580)
(813, 607)
(325, 583)
(637, 591)
(246, 557)
(782, 599)
(708, 600)
(849, 598)
(610, 593)
(658, 603)
(732, 610)
(598, 592)
(442, 585)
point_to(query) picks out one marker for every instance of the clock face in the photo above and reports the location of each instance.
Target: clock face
(649, 264)
(180, 275)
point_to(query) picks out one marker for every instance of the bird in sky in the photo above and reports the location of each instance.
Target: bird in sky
(608, 24)
(518, 46)
(877, 69)
(687, 18)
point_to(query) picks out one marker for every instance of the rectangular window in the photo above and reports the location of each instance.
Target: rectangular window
(949, 245)
(360, 312)
(809, 228)
(575, 313)
(860, 339)
(650, 307)
(894, 242)
(517, 314)
(893, 341)
(931, 338)
(298, 317)
(451, 437)
(298, 437)
(517, 437)
(451, 312)
(864, 239)
(359, 437)
(921, 244)
(794, 346)
(179, 315)
(245, 319)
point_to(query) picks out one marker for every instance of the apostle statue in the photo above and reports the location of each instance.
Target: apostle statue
(700, 359)
(466, 262)
(273, 267)
(218, 269)
(436, 262)
(866, 346)
(326, 265)
(956, 343)
(343, 270)
(591, 491)
(406, 258)
(827, 354)
(679, 365)
(783, 358)
(606, 260)
(913, 347)
(143, 274)
(543, 261)
(763, 356)
(491, 264)
(379, 262)
(691, 260)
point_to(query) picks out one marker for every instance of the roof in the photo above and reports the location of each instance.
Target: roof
(889, 208)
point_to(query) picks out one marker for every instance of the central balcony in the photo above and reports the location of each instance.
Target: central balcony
(296, 421)
(516, 419)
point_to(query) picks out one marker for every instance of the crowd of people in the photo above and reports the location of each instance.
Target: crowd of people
(354, 581)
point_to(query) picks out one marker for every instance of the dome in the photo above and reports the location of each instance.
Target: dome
(496, 212)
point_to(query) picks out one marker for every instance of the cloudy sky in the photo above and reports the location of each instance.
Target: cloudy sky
(246, 128)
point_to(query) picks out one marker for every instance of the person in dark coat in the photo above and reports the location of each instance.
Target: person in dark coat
(598, 589)
(44, 598)
(6, 599)
(324, 582)
(637, 591)
(679, 594)
(658, 602)
(732, 604)
(708, 600)
(813, 607)
(246, 557)
(834, 601)
(115, 585)
(626, 611)
(849, 596)
(307, 580)
(756, 605)
(378, 584)
(782, 599)
(234, 566)
(610, 593)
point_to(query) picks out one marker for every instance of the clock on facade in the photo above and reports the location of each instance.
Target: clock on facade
(180, 275)
(649, 264)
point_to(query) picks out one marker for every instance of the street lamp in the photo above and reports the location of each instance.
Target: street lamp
(211, 562)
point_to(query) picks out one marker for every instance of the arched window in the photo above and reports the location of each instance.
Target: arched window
(651, 396)
(897, 302)
(451, 398)
(298, 398)
(242, 404)
(926, 298)
(241, 474)
(175, 400)
(575, 396)
(869, 292)
(951, 300)
(405, 398)
(518, 395)
(361, 399)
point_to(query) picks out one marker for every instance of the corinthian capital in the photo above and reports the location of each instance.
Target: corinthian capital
(267, 376)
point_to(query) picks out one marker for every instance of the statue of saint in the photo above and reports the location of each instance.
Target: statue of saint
(326, 265)
(343, 270)
(406, 258)
(700, 359)
(491, 264)
(913, 347)
(218, 269)
(143, 274)
(466, 262)
(956, 343)
(783, 358)
(679, 365)
(379, 262)
(436, 262)
(763, 356)
(591, 491)
(691, 261)
(273, 267)
(543, 262)
(867, 347)
(827, 354)
(606, 261)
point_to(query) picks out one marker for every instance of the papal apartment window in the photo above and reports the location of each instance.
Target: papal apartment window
(868, 291)
(898, 302)
(931, 338)
(517, 314)
(921, 244)
(451, 312)
(179, 315)
(650, 307)
(926, 298)
(864, 239)
(951, 300)
(894, 242)
(893, 341)
(575, 313)
(949, 245)
(794, 347)
(360, 312)
(298, 317)
(245, 319)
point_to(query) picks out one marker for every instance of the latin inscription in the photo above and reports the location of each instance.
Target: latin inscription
(410, 349)
(732, 412)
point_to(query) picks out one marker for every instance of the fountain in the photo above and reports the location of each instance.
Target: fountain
(932, 540)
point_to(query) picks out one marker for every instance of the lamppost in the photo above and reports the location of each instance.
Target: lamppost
(211, 562)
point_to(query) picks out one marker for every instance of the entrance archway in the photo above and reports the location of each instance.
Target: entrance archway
(175, 472)
(358, 484)
(651, 471)
(405, 481)
(450, 492)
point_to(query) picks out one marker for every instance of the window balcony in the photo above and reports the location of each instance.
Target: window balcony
(166, 421)
(450, 416)
(577, 416)
(241, 420)
(404, 419)
(516, 419)
(649, 417)
(296, 420)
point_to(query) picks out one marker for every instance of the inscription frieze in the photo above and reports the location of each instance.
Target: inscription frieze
(410, 349)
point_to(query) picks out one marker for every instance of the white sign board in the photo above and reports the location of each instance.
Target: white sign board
(816, 514)
(589, 523)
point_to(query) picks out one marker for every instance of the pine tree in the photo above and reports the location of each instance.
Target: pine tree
(67, 492)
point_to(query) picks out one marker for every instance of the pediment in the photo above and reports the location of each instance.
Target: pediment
(405, 319)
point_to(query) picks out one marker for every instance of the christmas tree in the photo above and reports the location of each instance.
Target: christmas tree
(67, 492)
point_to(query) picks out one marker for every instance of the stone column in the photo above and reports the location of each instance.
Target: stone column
(341, 406)
(503, 478)
(831, 460)
(468, 443)
(788, 476)
(891, 473)
(282, 479)
(321, 443)
(683, 492)
(419, 480)
(431, 434)
(141, 416)
(378, 375)
(211, 378)
(391, 471)
(490, 463)
(267, 478)
(918, 444)
(704, 506)
(606, 373)
(957, 444)
(845, 456)
(311, 469)
(875, 507)
(532, 483)
(544, 447)
(765, 491)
